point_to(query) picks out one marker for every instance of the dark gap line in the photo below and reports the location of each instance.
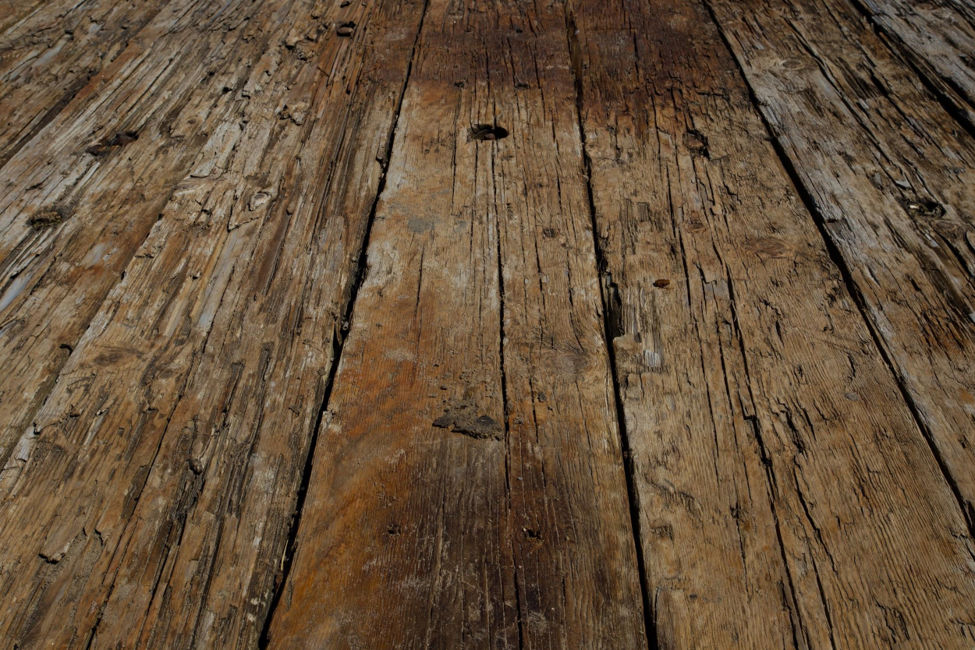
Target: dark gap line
(338, 343)
(505, 409)
(967, 509)
(633, 496)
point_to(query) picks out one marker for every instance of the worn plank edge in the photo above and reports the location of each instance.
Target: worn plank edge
(338, 343)
(633, 495)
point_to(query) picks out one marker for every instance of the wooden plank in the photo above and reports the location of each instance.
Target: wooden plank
(938, 38)
(468, 488)
(75, 211)
(14, 12)
(787, 497)
(893, 187)
(50, 56)
(163, 470)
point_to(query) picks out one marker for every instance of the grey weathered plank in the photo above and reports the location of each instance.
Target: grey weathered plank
(73, 211)
(891, 178)
(938, 38)
(53, 53)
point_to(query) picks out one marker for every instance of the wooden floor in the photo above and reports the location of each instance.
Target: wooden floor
(375, 324)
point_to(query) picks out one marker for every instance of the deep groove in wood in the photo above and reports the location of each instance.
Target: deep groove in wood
(849, 282)
(338, 342)
(653, 641)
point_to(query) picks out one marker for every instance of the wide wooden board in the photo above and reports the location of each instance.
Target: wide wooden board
(468, 488)
(890, 178)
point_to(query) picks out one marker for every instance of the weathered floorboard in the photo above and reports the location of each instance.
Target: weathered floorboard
(153, 505)
(787, 497)
(468, 487)
(891, 178)
(14, 12)
(53, 54)
(76, 208)
(938, 38)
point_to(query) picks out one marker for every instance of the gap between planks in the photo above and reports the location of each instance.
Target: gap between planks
(338, 344)
(841, 263)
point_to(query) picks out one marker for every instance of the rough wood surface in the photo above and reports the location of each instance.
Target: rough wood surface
(784, 486)
(487, 324)
(468, 481)
(158, 515)
(82, 196)
(893, 187)
(50, 56)
(938, 38)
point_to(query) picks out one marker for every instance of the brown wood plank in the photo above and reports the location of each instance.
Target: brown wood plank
(468, 489)
(163, 470)
(787, 497)
(14, 12)
(72, 216)
(891, 178)
(938, 38)
(49, 57)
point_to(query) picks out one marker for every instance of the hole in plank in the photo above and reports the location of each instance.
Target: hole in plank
(924, 208)
(118, 140)
(488, 132)
(697, 143)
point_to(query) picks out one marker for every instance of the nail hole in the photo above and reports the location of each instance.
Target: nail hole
(118, 140)
(697, 143)
(46, 219)
(661, 283)
(924, 208)
(488, 132)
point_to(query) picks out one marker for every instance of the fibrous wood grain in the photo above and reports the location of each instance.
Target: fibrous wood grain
(468, 487)
(52, 54)
(938, 38)
(891, 178)
(152, 504)
(82, 196)
(785, 490)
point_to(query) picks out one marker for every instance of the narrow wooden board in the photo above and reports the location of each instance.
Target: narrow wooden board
(787, 497)
(75, 208)
(468, 488)
(938, 38)
(891, 178)
(154, 501)
(49, 57)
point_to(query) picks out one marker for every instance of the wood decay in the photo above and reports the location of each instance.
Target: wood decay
(473, 323)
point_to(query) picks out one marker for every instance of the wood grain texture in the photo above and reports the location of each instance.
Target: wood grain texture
(14, 12)
(938, 38)
(82, 196)
(468, 487)
(52, 54)
(893, 185)
(162, 472)
(784, 487)
(487, 324)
